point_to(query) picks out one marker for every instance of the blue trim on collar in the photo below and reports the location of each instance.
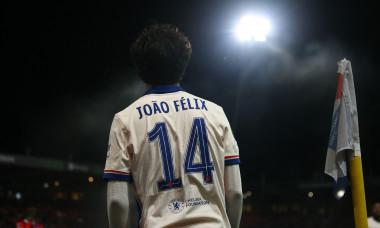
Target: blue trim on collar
(163, 89)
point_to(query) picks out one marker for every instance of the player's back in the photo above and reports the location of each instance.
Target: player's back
(175, 152)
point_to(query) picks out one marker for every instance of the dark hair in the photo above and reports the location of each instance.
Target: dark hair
(161, 53)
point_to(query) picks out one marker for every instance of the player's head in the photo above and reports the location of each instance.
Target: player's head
(376, 209)
(161, 53)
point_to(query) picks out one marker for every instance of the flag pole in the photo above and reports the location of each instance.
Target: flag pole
(358, 194)
(355, 163)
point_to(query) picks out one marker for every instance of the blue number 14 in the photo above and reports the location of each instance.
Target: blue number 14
(197, 139)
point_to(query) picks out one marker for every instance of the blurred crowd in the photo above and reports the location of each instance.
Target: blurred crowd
(281, 215)
(46, 216)
(257, 214)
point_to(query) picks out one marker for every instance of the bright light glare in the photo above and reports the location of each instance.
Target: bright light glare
(340, 194)
(18, 195)
(253, 27)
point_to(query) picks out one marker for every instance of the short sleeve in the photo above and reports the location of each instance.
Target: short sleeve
(118, 161)
(231, 149)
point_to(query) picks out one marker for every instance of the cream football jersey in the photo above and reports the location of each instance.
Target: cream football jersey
(173, 146)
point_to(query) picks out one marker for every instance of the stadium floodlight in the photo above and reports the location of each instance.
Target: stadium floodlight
(253, 27)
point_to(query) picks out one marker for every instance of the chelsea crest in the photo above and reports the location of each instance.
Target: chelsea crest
(175, 206)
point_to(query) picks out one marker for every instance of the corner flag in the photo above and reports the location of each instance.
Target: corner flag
(344, 144)
(344, 135)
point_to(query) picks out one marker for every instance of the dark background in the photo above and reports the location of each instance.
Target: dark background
(66, 70)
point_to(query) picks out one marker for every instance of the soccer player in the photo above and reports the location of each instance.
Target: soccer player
(174, 150)
(374, 220)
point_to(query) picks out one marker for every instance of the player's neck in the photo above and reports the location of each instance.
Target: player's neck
(148, 86)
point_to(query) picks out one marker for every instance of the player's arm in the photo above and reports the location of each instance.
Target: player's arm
(118, 174)
(232, 179)
(118, 203)
(234, 195)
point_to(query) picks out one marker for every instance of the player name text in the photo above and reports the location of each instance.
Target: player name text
(179, 105)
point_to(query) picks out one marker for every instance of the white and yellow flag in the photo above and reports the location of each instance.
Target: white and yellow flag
(344, 135)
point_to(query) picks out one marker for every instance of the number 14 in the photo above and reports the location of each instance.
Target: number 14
(198, 137)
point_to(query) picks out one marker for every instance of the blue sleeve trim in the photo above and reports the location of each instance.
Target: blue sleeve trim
(232, 161)
(115, 176)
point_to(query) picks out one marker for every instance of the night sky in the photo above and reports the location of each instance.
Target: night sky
(66, 71)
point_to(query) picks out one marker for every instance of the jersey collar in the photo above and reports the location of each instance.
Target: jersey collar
(163, 89)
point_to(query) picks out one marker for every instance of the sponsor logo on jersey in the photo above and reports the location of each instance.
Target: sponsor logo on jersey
(197, 201)
(175, 206)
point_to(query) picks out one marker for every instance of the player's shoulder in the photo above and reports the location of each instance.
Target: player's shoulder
(126, 113)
